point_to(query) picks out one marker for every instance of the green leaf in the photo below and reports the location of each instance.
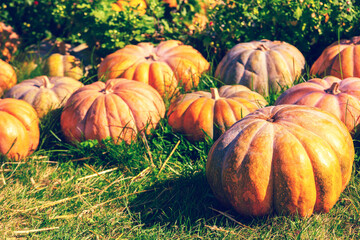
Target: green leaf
(298, 13)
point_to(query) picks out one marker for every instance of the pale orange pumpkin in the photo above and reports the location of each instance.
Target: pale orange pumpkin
(339, 97)
(201, 114)
(165, 67)
(19, 128)
(119, 109)
(288, 159)
(340, 59)
(263, 66)
(58, 65)
(44, 93)
(7, 76)
(138, 6)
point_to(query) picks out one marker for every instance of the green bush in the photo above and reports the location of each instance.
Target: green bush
(310, 25)
(95, 23)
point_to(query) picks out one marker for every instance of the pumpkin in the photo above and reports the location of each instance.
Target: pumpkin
(341, 98)
(44, 93)
(287, 159)
(139, 6)
(58, 65)
(7, 76)
(19, 128)
(264, 66)
(9, 41)
(164, 67)
(340, 59)
(119, 108)
(202, 114)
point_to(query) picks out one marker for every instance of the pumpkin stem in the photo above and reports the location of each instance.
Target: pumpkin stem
(214, 93)
(262, 47)
(334, 89)
(46, 82)
(152, 56)
(108, 87)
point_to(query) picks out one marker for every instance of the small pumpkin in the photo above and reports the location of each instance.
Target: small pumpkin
(58, 65)
(7, 76)
(9, 42)
(263, 66)
(339, 97)
(165, 67)
(44, 93)
(201, 114)
(119, 108)
(19, 128)
(287, 159)
(340, 59)
(139, 6)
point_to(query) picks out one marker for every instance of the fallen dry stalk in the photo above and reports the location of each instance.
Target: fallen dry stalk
(231, 218)
(51, 204)
(97, 174)
(23, 232)
(167, 159)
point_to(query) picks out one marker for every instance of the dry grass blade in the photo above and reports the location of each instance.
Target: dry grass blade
(23, 232)
(231, 218)
(167, 159)
(142, 174)
(147, 148)
(2, 170)
(121, 197)
(51, 204)
(97, 173)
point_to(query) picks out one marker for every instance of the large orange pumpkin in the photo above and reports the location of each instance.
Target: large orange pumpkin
(138, 6)
(341, 98)
(58, 65)
(164, 67)
(264, 66)
(288, 159)
(19, 128)
(201, 114)
(44, 93)
(7, 76)
(119, 109)
(340, 59)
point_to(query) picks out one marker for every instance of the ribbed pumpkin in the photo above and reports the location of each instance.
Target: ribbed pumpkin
(288, 159)
(164, 67)
(119, 109)
(264, 66)
(58, 65)
(19, 128)
(139, 6)
(201, 114)
(341, 98)
(44, 93)
(7, 76)
(340, 59)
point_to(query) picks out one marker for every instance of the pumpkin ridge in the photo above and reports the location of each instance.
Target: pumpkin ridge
(290, 203)
(316, 172)
(110, 97)
(258, 126)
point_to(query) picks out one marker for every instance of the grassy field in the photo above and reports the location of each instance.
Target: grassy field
(154, 189)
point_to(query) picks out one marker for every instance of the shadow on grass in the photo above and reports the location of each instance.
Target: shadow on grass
(185, 201)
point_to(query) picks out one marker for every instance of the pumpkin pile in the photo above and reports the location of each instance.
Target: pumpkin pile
(292, 158)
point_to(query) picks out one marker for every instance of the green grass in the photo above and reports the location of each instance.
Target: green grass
(153, 189)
